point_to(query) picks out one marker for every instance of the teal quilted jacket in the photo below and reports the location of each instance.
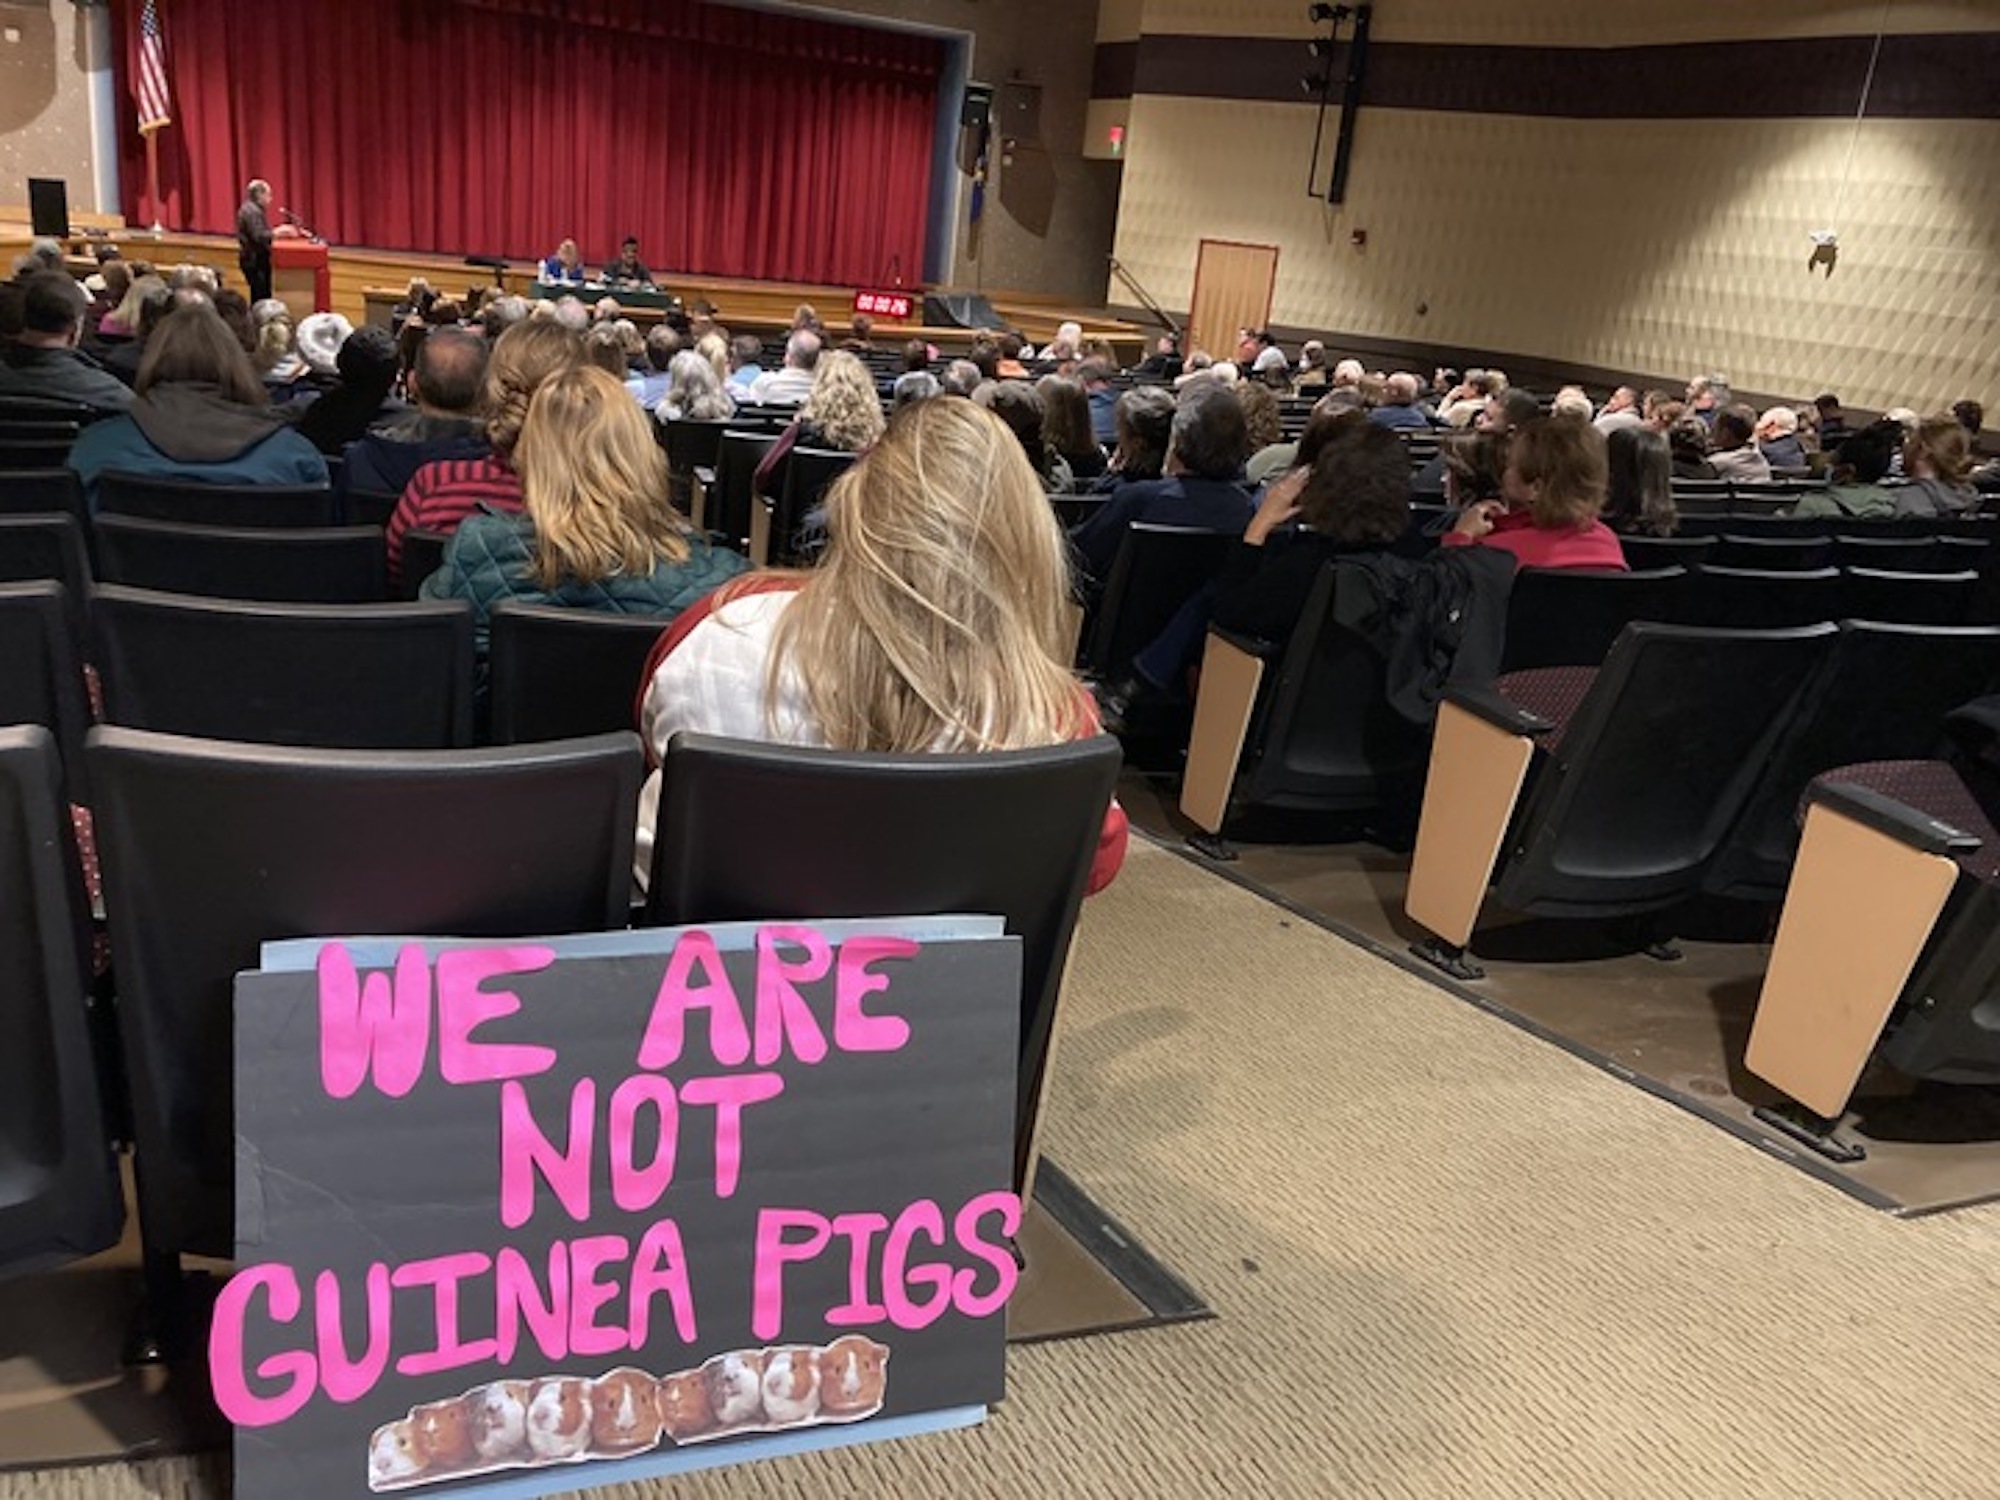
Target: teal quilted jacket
(488, 563)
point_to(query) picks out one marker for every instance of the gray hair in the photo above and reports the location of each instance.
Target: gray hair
(802, 349)
(914, 385)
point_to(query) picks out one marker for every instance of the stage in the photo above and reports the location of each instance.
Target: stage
(366, 283)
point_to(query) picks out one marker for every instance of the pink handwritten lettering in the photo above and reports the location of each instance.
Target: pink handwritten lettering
(368, 1024)
(695, 980)
(443, 1274)
(731, 1096)
(463, 1006)
(240, 1404)
(854, 1030)
(782, 1014)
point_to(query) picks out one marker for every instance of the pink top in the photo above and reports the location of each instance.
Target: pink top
(1593, 545)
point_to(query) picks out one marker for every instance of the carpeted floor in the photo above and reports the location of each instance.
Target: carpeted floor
(1449, 1262)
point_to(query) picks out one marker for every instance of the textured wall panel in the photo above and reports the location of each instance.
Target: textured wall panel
(1581, 23)
(1658, 248)
(45, 104)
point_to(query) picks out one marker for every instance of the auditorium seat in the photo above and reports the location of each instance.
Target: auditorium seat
(36, 491)
(1568, 617)
(193, 503)
(1774, 553)
(367, 507)
(729, 507)
(1156, 571)
(360, 676)
(17, 411)
(1908, 598)
(48, 546)
(1648, 553)
(558, 673)
(1758, 599)
(329, 565)
(751, 830)
(41, 672)
(809, 473)
(423, 555)
(1888, 554)
(1881, 694)
(690, 445)
(1886, 945)
(1299, 726)
(60, 1196)
(211, 849)
(28, 449)
(1611, 811)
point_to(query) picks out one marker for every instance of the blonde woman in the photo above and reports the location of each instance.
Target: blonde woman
(714, 348)
(1937, 469)
(841, 412)
(596, 531)
(937, 620)
(443, 494)
(693, 393)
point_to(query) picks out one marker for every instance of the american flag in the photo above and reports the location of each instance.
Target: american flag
(154, 110)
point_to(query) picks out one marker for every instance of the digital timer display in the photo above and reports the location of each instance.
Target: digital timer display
(894, 305)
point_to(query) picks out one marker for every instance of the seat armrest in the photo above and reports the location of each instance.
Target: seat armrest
(1250, 645)
(1896, 820)
(1498, 710)
(704, 477)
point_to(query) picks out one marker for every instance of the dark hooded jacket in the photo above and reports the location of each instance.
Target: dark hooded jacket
(190, 430)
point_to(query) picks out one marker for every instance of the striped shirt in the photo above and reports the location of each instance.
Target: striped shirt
(444, 493)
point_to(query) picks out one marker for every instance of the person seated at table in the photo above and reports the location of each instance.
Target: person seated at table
(595, 530)
(564, 268)
(443, 493)
(1551, 493)
(628, 270)
(936, 622)
(199, 413)
(445, 384)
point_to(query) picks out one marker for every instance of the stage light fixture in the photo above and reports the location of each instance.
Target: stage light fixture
(1314, 84)
(1322, 47)
(1321, 14)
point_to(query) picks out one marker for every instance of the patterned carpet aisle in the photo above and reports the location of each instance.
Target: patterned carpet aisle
(1449, 1262)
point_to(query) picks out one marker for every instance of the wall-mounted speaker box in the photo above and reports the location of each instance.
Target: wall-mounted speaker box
(977, 106)
(960, 310)
(1021, 113)
(48, 206)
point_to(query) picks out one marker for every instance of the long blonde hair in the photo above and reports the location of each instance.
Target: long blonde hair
(842, 403)
(595, 482)
(936, 619)
(523, 357)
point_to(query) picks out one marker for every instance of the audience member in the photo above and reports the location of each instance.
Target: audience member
(199, 413)
(365, 364)
(234, 310)
(1310, 379)
(1833, 428)
(793, 382)
(1262, 425)
(442, 494)
(122, 322)
(860, 334)
(693, 393)
(745, 352)
(1206, 448)
(44, 360)
(1066, 424)
(1622, 410)
(1007, 363)
(1019, 405)
(841, 413)
(1143, 418)
(913, 385)
(1095, 375)
(1937, 469)
(1572, 401)
(1859, 465)
(961, 378)
(1551, 494)
(275, 355)
(595, 530)
(1639, 498)
(1731, 453)
(1474, 467)
(1707, 395)
(649, 384)
(445, 385)
(1399, 404)
(1687, 440)
(1777, 437)
(1165, 359)
(937, 621)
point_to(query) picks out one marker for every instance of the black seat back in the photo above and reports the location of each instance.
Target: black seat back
(1653, 768)
(1155, 572)
(423, 555)
(1951, 1033)
(728, 508)
(330, 565)
(1759, 599)
(41, 673)
(212, 849)
(48, 546)
(560, 673)
(198, 504)
(358, 676)
(34, 452)
(60, 1197)
(1326, 738)
(38, 491)
(691, 445)
(1909, 598)
(1882, 694)
(1774, 553)
(809, 472)
(1568, 617)
(750, 831)
(1888, 554)
(1645, 554)
(368, 507)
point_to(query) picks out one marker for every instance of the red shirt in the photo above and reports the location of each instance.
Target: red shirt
(444, 493)
(1592, 545)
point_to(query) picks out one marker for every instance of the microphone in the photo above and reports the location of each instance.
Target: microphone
(288, 216)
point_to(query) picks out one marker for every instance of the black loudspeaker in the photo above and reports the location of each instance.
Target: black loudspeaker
(960, 310)
(48, 206)
(977, 106)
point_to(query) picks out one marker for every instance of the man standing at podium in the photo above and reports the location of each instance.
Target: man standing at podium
(253, 238)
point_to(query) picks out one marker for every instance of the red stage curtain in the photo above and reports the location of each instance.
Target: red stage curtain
(732, 142)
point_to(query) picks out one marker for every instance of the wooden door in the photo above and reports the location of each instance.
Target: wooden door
(1233, 283)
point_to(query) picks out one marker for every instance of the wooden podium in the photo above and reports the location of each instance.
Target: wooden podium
(299, 276)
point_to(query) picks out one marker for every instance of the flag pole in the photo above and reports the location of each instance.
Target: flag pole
(153, 177)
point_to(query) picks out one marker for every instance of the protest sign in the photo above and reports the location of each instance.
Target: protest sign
(520, 1216)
